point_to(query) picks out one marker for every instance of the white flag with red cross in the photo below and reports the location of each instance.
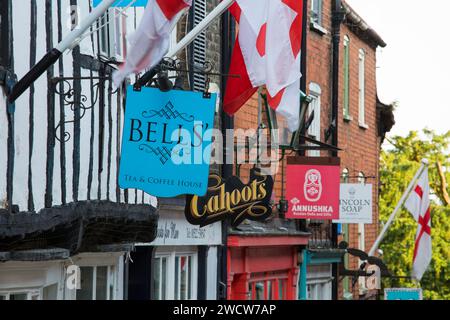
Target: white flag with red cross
(267, 52)
(152, 38)
(418, 204)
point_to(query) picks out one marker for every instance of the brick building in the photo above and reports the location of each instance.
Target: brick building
(336, 33)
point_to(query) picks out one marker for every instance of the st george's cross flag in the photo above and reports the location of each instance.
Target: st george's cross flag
(267, 52)
(151, 40)
(418, 204)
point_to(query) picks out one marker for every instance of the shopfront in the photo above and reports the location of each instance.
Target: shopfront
(181, 264)
(316, 277)
(100, 278)
(263, 261)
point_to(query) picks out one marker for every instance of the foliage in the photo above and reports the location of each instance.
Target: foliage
(398, 166)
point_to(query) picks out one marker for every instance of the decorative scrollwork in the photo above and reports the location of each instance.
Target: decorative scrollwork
(168, 112)
(63, 87)
(163, 153)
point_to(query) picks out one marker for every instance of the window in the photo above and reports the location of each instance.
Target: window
(316, 12)
(97, 283)
(319, 282)
(347, 78)
(268, 287)
(361, 177)
(112, 34)
(50, 292)
(345, 175)
(119, 34)
(314, 111)
(362, 89)
(361, 240)
(21, 295)
(345, 232)
(174, 276)
(183, 277)
(160, 278)
(104, 35)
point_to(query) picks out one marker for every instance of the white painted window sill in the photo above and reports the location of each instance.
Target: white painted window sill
(318, 28)
(363, 126)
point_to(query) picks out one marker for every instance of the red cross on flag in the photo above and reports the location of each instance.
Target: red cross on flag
(267, 52)
(151, 40)
(418, 204)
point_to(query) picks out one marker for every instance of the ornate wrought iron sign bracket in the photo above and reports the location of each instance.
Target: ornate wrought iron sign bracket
(63, 87)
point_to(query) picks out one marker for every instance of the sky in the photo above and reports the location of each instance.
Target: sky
(414, 68)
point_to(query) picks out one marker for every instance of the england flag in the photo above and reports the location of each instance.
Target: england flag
(418, 204)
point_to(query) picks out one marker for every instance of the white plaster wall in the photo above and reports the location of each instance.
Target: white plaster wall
(21, 21)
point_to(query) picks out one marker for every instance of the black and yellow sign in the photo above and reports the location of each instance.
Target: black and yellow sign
(232, 199)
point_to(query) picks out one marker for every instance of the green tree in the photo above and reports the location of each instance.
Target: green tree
(398, 166)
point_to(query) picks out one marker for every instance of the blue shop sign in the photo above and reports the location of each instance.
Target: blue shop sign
(123, 3)
(403, 294)
(166, 143)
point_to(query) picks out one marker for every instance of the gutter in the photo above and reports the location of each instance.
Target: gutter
(356, 21)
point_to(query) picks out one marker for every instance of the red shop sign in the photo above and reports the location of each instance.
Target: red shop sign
(312, 188)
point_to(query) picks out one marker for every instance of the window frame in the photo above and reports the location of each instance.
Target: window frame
(346, 98)
(171, 254)
(273, 285)
(111, 270)
(29, 292)
(104, 35)
(314, 131)
(119, 32)
(361, 241)
(362, 89)
(319, 282)
(114, 28)
(317, 17)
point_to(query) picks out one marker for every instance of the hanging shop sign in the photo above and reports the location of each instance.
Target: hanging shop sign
(124, 3)
(403, 294)
(312, 188)
(166, 143)
(233, 200)
(355, 204)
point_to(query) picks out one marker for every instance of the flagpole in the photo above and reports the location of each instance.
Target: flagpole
(398, 207)
(53, 55)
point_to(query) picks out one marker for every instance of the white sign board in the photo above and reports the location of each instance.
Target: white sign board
(174, 230)
(355, 204)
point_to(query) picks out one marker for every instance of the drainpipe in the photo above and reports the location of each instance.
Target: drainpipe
(301, 224)
(337, 19)
(227, 26)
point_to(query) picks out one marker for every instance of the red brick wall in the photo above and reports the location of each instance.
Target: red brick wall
(361, 147)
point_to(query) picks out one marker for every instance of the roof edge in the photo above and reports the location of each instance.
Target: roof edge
(355, 19)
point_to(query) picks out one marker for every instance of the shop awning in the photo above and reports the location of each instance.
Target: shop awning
(275, 232)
